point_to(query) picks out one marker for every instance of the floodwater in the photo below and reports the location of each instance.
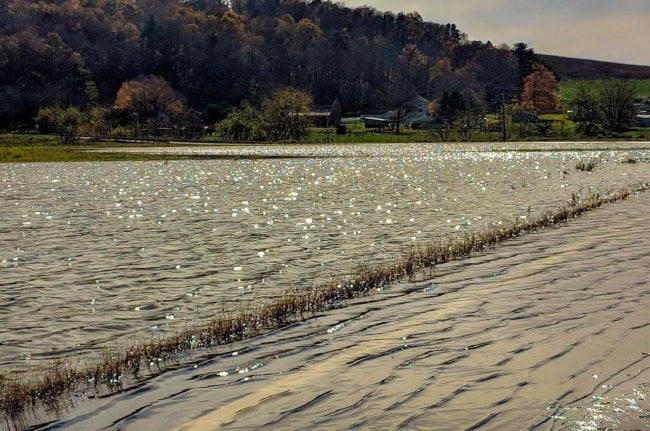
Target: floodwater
(548, 332)
(91, 253)
(95, 255)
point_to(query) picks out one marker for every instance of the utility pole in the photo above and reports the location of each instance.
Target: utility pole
(503, 113)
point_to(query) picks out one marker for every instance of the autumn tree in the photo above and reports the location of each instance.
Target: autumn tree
(151, 98)
(541, 90)
(283, 115)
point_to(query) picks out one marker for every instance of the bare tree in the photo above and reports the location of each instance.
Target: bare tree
(606, 106)
(616, 100)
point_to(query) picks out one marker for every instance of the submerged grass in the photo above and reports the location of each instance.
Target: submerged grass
(50, 388)
(15, 148)
(568, 149)
(587, 166)
(41, 154)
(55, 153)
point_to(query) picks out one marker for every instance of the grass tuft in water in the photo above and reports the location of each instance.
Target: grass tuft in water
(586, 166)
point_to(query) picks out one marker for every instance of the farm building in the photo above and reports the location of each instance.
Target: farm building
(643, 120)
(377, 122)
(415, 111)
(326, 115)
(644, 107)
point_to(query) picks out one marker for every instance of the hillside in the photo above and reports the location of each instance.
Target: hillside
(214, 56)
(220, 54)
(576, 68)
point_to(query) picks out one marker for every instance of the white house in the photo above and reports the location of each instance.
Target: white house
(416, 110)
(644, 107)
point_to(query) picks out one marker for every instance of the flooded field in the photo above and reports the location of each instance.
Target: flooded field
(93, 254)
(548, 332)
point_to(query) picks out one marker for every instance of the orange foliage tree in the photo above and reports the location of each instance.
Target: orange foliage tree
(541, 90)
(151, 98)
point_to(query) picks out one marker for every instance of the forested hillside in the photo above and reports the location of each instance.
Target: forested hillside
(217, 54)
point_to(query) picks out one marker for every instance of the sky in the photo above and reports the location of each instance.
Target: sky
(611, 30)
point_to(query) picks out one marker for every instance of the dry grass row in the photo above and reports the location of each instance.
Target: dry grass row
(50, 388)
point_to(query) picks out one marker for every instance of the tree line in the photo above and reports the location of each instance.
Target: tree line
(217, 55)
(167, 66)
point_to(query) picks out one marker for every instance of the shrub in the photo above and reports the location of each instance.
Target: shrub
(243, 124)
(65, 123)
(284, 115)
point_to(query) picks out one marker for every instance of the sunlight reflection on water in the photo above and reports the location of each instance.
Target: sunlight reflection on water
(90, 252)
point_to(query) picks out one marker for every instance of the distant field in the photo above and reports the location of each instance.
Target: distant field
(569, 89)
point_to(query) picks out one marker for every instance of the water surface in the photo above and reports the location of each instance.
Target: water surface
(98, 254)
(548, 332)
